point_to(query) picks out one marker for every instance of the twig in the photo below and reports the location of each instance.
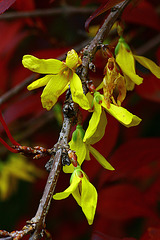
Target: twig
(14, 91)
(47, 12)
(148, 45)
(91, 49)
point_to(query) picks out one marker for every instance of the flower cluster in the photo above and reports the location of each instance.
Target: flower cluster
(119, 77)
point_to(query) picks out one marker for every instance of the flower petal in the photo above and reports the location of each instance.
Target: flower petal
(39, 82)
(88, 200)
(7, 186)
(129, 83)
(80, 148)
(87, 157)
(22, 169)
(149, 64)
(44, 66)
(100, 86)
(68, 169)
(53, 90)
(94, 121)
(122, 115)
(90, 100)
(77, 92)
(76, 194)
(100, 158)
(72, 59)
(126, 62)
(100, 131)
(69, 190)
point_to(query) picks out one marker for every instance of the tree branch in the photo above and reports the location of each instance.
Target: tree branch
(63, 139)
(14, 91)
(36, 226)
(90, 50)
(69, 10)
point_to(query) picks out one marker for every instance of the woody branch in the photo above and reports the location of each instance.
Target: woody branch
(36, 226)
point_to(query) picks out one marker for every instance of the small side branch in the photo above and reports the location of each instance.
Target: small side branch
(47, 12)
(90, 50)
(14, 91)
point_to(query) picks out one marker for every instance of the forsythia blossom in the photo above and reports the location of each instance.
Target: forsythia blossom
(59, 76)
(120, 113)
(126, 61)
(83, 191)
(113, 79)
(83, 149)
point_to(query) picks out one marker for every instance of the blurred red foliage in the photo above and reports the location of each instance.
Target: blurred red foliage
(129, 197)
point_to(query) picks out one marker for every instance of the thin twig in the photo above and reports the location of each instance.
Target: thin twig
(91, 49)
(153, 42)
(14, 91)
(67, 10)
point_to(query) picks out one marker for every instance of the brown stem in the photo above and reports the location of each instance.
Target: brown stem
(39, 219)
(153, 42)
(14, 91)
(44, 205)
(47, 12)
(90, 50)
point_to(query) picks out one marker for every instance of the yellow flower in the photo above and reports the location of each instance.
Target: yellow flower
(83, 149)
(16, 168)
(96, 127)
(84, 193)
(113, 80)
(126, 61)
(59, 76)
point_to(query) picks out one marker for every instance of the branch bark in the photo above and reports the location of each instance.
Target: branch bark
(61, 146)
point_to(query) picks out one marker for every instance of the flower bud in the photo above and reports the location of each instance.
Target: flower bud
(72, 59)
(79, 132)
(98, 97)
(121, 42)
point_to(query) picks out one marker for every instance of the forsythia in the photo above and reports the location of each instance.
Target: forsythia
(83, 149)
(62, 74)
(59, 76)
(126, 61)
(83, 191)
(120, 113)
